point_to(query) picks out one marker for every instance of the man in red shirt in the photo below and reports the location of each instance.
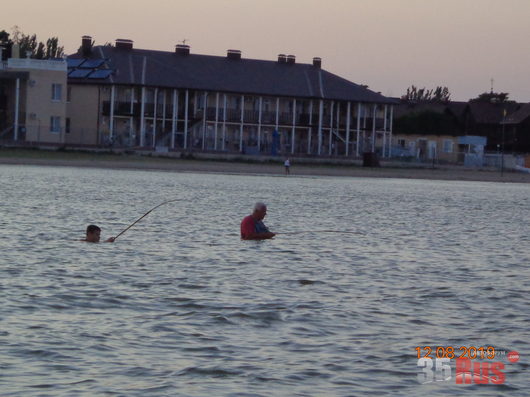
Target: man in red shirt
(252, 227)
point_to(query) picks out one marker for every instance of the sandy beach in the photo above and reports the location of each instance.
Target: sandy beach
(134, 161)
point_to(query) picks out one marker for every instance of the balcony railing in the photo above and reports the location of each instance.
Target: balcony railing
(124, 109)
(234, 116)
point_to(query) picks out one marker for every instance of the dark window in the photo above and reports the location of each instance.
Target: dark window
(55, 124)
(56, 92)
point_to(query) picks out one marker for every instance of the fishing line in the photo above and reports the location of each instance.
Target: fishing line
(143, 216)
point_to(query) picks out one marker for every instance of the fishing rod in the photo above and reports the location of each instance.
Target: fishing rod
(320, 231)
(143, 216)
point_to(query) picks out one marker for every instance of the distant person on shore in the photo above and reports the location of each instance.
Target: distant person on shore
(93, 234)
(287, 165)
(252, 226)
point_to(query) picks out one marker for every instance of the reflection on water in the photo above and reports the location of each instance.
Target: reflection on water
(179, 305)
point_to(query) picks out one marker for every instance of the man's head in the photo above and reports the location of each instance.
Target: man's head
(260, 210)
(93, 233)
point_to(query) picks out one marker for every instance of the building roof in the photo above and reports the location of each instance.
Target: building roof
(410, 107)
(490, 113)
(519, 115)
(216, 73)
(457, 108)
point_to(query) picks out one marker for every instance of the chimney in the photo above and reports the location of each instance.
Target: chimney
(124, 44)
(182, 49)
(317, 62)
(291, 59)
(233, 54)
(282, 58)
(86, 46)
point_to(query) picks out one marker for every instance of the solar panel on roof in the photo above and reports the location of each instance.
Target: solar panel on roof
(79, 73)
(74, 62)
(92, 63)
(100, 74)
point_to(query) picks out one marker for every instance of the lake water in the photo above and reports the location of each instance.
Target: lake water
(180, 306)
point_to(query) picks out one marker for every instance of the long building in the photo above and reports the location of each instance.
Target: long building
(119, 96)
(176, 100)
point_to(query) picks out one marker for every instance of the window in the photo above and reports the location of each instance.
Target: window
(56, 92)
(55, 124)
(401, 142)
(68, 94)
(448, 146)
(67, 125)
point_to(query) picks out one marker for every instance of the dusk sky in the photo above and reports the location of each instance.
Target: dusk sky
(386, 44)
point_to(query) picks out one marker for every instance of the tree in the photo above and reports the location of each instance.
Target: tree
(492, 97)
(6, 43)
(53, 50)
(426, 122)
(36, 49)
(27, 44)
(438, 94)
(4, 37)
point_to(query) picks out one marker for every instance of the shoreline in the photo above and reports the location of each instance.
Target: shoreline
(149, 163)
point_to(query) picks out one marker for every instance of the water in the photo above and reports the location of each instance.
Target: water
(179, 305)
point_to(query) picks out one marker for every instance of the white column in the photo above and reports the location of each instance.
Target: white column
(358, 129)
(164, 112)
(294, 127)
(384, 143)
(337, 132)
(154, 117)
(277, 123)
(224, 121)
(259, 125)
(205, 104)
(142, 119)
(374, 110)
(17, 106)
(310, 130)
(241, 126)
(320, 116)
(186, 104)
(216, 120)
(384, 131)
(348, 121)
(174, 119)
(391, 124)
(131, 119)
(331, 127)
(111, 121)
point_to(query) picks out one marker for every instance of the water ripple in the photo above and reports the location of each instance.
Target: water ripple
(179, 305)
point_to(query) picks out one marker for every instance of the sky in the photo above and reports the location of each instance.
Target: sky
(388, 45)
